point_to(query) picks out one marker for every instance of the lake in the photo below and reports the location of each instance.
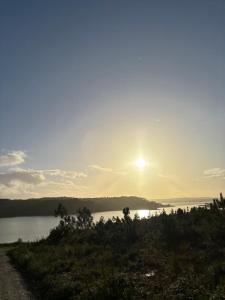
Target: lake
(35, 228)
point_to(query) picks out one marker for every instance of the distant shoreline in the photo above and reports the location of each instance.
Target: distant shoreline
(46, 206)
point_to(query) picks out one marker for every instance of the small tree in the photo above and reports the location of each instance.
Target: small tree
(60, 211)
(84, 218)
(222, 201)
(65, 227)
(180, 212)
(130, 226)
(126, 212)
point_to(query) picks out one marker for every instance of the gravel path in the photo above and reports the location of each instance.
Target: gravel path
(12, 286)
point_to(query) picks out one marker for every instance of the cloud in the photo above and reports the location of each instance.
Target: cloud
(18, 190)
(106, 170)
(12, 158)
(27, 177)
(24, 183)
(61, 188)
(99, 168)
(215, 172)
(31, 176)
(63, 173)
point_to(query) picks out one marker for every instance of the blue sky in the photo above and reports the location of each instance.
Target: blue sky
(89, 86)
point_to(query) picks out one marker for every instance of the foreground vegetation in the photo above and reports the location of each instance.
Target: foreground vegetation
(176, 256)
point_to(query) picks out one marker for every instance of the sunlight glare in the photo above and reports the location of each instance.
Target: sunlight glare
(140, 163)
(143, 213)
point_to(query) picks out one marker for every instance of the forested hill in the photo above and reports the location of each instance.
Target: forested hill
(46, 206)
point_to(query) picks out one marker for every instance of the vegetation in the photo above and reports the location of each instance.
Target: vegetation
(177, 256)
(46, 206)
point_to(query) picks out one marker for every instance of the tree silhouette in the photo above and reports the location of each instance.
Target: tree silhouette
(60, 211)
(126, 212)
(84, 218)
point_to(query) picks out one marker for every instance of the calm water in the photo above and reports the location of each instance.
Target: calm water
(34, 228)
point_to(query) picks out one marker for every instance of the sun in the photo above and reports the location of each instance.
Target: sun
(140, 163)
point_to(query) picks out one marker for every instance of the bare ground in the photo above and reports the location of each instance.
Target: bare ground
(12, 285)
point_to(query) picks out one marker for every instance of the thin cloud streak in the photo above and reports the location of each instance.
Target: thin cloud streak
(106, 170)
(12, 158)
(99, 168)
(215, 172)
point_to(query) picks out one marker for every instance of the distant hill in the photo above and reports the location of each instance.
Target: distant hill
(46, 206)
(185, 200)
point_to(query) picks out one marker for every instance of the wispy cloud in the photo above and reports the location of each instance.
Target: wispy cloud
(99, 168)
(12, 158)
(106, 170)
(64, 173)
(215, 172)
(32, 176)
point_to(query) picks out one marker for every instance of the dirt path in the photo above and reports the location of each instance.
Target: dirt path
(12, 286)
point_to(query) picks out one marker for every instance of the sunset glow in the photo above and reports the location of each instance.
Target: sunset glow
(99, 100)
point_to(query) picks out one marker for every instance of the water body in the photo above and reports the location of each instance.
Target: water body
(35, 228)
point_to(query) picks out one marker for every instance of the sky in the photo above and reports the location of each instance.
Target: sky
(88, 88)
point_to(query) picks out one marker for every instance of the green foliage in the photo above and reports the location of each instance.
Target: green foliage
(69, 224)
(178, 256)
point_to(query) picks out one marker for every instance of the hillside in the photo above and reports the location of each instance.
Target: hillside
(46, 206)
(178, 256)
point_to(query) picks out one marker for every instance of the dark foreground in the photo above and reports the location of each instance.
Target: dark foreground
(177, 256)
(12, 286)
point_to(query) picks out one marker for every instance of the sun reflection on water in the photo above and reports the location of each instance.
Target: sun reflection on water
(143, 213)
